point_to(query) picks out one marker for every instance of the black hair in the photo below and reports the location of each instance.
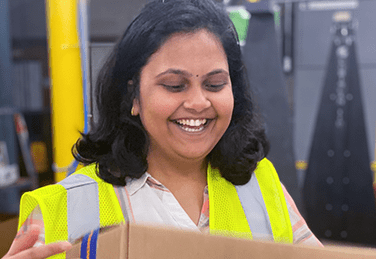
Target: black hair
(118, 142)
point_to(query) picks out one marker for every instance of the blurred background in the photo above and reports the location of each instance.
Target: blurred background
(312, 69)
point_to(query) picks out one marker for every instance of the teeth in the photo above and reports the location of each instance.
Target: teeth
(192, 130)
(192, 123)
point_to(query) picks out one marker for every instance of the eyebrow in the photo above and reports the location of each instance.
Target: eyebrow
(185, 73)
(217, 71)
(174, 71)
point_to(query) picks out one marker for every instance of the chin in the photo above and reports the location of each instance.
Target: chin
(194, 155)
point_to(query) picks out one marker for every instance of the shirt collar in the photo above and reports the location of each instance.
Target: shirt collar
(133, 185)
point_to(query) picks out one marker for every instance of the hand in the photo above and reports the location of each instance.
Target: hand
(22, 246)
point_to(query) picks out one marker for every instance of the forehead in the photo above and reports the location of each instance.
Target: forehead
(199, 34)
(196, 51)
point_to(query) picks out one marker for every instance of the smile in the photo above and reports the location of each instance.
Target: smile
(191, 125)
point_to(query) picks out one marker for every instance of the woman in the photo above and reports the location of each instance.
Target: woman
(176, 132)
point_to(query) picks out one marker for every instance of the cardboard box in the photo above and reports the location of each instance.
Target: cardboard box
(140, 242)
(8, 230)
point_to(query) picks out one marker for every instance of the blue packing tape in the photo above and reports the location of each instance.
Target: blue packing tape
(93, 244)
(83, 254)
(89, 245)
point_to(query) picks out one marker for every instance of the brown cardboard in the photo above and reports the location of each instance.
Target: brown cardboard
(8, 230)
(140, 242)
(109, 244)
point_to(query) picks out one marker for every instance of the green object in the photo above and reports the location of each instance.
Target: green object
(240, 18)
(277, 18)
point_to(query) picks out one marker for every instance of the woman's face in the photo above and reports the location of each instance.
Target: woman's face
(186, 100)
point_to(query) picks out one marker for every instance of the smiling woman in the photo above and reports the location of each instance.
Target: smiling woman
(175, 53)
(185, 115)
(177, 135)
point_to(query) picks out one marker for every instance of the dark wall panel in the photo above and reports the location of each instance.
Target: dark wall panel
(368, 83)
(313, 34)
(307, 94)
(366, 33)
(312, 42)
(108, 19)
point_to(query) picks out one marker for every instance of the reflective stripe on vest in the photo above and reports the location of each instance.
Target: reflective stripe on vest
(80, 201)
(264, 204)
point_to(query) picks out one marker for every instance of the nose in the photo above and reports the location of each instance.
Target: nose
(197, 99)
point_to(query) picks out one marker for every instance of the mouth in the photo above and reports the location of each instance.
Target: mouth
(192, 125)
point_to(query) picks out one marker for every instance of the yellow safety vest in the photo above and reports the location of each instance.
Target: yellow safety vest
(83, 202)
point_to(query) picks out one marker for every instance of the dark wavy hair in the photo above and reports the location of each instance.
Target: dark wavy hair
(118, 142)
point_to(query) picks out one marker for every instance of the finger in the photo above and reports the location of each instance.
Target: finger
(43, 251)
(24, 240)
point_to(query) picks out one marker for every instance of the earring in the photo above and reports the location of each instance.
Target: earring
(132, 111)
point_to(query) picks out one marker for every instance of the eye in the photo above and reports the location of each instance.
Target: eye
(174, 88)
(215, 87)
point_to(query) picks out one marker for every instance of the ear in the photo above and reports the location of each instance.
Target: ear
(135, 103)
(136, 106)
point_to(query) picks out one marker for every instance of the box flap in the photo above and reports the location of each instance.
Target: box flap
(139, 242)
(154, 242)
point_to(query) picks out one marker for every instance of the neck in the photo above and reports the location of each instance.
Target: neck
(167, 170)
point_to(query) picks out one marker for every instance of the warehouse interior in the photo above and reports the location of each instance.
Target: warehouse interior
(290, 48)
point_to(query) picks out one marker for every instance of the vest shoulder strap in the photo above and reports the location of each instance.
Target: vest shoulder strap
(275, 201)
(227, 216)
(74, 206)
(265, 205)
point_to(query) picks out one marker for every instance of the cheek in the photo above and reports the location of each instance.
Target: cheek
(225, 105)
(157, 107)
(163, 107)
